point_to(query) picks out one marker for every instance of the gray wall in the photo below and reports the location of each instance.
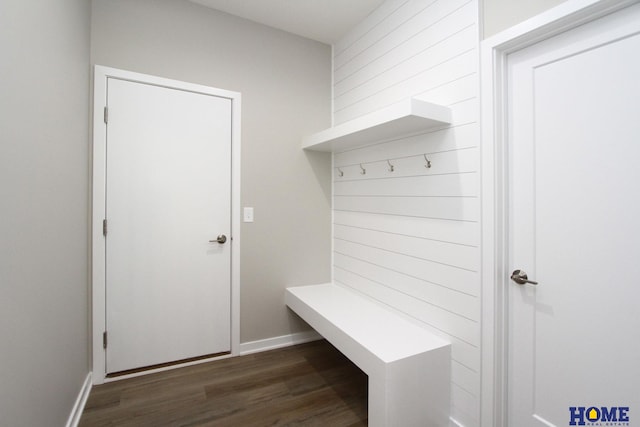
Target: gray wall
(44, 177)
(499, 15)
(285, 84)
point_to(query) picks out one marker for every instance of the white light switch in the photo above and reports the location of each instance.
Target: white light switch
(248, 214)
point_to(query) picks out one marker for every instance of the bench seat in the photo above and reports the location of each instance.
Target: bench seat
(408, 366)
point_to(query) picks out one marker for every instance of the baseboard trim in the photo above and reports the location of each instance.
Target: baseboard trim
(81, 400)
(278, 342)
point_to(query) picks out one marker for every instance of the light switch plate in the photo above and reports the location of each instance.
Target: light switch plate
(248, 214)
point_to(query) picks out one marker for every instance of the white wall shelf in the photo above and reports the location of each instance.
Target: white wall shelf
(399, 119)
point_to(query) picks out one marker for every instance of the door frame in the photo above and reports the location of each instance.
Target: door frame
(101, 74)
(494, 53)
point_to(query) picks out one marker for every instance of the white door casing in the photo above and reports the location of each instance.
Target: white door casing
(497, 265)
(141, 192)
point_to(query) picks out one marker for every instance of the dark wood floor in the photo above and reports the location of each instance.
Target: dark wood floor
(306, 385)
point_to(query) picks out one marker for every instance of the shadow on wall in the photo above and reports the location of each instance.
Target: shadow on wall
(318, 162)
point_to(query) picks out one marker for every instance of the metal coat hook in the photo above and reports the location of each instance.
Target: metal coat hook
(340, 173)
(428, 165)
(391, 168)
(364, 171)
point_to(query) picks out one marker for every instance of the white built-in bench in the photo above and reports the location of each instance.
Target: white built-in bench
(408, 366)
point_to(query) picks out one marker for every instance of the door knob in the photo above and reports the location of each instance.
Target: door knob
(220, 239)
(520, 277)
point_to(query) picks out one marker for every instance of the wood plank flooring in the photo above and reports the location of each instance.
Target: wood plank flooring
(311, 384)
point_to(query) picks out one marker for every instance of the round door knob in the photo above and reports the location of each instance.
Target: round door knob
(520, 277)
(222, 239)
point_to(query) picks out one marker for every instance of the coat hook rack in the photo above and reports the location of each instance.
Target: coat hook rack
(340, 173)
(363, 171)
(391, 168)
(428, 165)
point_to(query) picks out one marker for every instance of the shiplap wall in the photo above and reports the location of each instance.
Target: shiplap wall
(410, 238)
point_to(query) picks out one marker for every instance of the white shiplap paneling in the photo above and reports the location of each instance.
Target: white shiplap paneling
(434, 44)
(463, 184)
(409, 238)
(447, 276)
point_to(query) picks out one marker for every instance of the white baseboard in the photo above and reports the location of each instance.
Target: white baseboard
(81, 400)
(278, 342)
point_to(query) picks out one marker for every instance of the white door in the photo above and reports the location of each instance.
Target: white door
(574, 226)
(168, 194)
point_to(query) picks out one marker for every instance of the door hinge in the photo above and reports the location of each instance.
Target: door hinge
(104, 339)
(104, 227)
(106, 115)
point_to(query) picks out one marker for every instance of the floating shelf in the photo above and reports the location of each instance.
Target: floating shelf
(403, 118)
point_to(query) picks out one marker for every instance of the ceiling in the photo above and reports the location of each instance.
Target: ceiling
(323, 20)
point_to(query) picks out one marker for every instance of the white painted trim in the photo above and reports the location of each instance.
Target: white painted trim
(278, 342)
(333, 217)
(236, 219)
(481, 4)
(98, 206)
(333, 83)
(494, 52)
(81, 400)
(98, 252)
(333, 163)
